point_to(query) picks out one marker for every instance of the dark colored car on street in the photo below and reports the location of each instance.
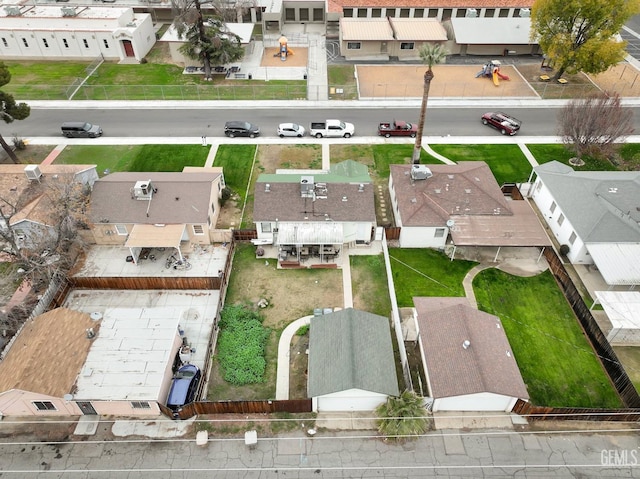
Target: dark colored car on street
(505, 124)
(183, 388)
(241, 128)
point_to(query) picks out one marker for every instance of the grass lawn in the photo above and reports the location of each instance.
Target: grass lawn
(342, 76)
(237, 162)
(42, 80)
(557, 363)
(135, 157)
(507, 162)
(426, 272)
(546, 153)
(629, 357)
(369, 284)
(385, 155)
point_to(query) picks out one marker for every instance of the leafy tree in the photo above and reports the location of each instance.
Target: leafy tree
(580, 35)
(9, 109)
(430, 55)
(208, 41)
(595, 125)
(403, 416)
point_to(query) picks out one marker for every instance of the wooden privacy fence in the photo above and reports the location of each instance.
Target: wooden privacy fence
(243, 407)
(392, 232)
(541, 413)
(245, 235)
(603, 349)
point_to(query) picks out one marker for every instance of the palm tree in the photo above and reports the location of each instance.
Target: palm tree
(402, 416)
(430, 55)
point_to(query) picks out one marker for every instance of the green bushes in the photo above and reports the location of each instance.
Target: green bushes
(241, 346)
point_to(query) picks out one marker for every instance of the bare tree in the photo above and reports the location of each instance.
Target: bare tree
(594, 125)
(10, 110)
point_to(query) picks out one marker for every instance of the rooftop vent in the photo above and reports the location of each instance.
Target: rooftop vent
(306, 186)
(33, 172)
(420, 172)
(344, 198)
(471, 13)
(360, 187)
(12, 11)
(525, 12)
(69, 11)
(143, 190)
(613, 189)
(267, 187)
(466, 344)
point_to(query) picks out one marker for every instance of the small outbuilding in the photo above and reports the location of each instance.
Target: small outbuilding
(623, 310)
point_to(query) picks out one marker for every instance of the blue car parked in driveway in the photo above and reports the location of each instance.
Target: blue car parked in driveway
(183, 388)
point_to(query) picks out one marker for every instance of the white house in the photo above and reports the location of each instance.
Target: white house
(313, 208)
(351, 361)
(74, 32)
(596, 215)
(623, 310)
(468, 362)
(459, 205)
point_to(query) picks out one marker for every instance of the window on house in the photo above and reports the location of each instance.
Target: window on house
(560, 219)
(376, 13)
(439, 233)
(348, 12)
(404, 13)
(289, 14)
(504, 13)
(45, 43)
(407, 46)
(304, 14)
(25, 42)
(65, 43)
(265, 227)
(85, 42)
(391, 12)
(418, 13)
(121, 229)
(446, 14)
(516, 12)
(353, 45)
(106, 43)
(318, 14)
(489, 12)
(553, 206)
(433, 13)
(461, 12)
(213, 207)
(140, 405)
(4, 42)
(362, 13)
(209, 221)
(198, 230)
(44, 406)
(572, 238)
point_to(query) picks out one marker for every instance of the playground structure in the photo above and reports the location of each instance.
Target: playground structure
(285, 51)
(492, 70)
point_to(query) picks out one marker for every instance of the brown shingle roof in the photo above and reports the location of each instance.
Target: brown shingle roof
(468, 188)
(48, 353)
(181, 198)
(486, 365)
(343, 202)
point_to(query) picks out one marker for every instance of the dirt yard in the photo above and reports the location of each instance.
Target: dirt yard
(271, 57)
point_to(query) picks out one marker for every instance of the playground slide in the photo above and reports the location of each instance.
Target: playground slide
(290, 52)
(502, 76)
(496, 82)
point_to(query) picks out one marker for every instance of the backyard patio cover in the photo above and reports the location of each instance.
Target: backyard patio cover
(155, 236)
(614, 260)
(310, 233)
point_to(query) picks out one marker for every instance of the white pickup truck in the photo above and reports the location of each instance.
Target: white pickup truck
(332, 128)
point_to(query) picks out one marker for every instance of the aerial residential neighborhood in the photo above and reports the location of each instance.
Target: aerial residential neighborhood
(258, 220)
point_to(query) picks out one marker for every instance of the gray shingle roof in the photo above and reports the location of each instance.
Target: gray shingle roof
(602, 206)
(181, 198)
(486, 365)
(351, 349)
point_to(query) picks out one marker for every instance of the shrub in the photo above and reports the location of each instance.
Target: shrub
(241, 345)
(303, 330)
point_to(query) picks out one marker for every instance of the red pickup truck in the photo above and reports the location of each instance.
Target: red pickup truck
(397, 128)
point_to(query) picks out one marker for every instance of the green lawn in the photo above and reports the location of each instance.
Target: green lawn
(385, 155)
(42, 80)
(546, 153)
(236, 161)
(426, 272)
(342, 76)
(507, 162)
(556, 361)
(369, 284)
(135, 157)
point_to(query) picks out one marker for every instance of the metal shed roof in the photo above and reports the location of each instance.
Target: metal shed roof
(618, 262)
(492, 31)
(155, 236)
(310, 233)
(356, 29)
(418, 29)
(622, 308)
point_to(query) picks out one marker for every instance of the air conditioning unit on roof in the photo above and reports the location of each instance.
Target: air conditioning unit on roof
(471, 13)
(525, 12)
(33, 172)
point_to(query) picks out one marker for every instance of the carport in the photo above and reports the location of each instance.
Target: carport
(613, 262)
(301, 235)
(154, 236)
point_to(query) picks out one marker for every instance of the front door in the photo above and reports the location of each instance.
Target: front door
(128, 48)
(383, 47)
(86, 408)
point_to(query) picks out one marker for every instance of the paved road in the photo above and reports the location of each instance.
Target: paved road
(451, 454)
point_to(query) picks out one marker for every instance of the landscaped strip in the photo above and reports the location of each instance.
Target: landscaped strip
(369, 284)
(557, 363)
